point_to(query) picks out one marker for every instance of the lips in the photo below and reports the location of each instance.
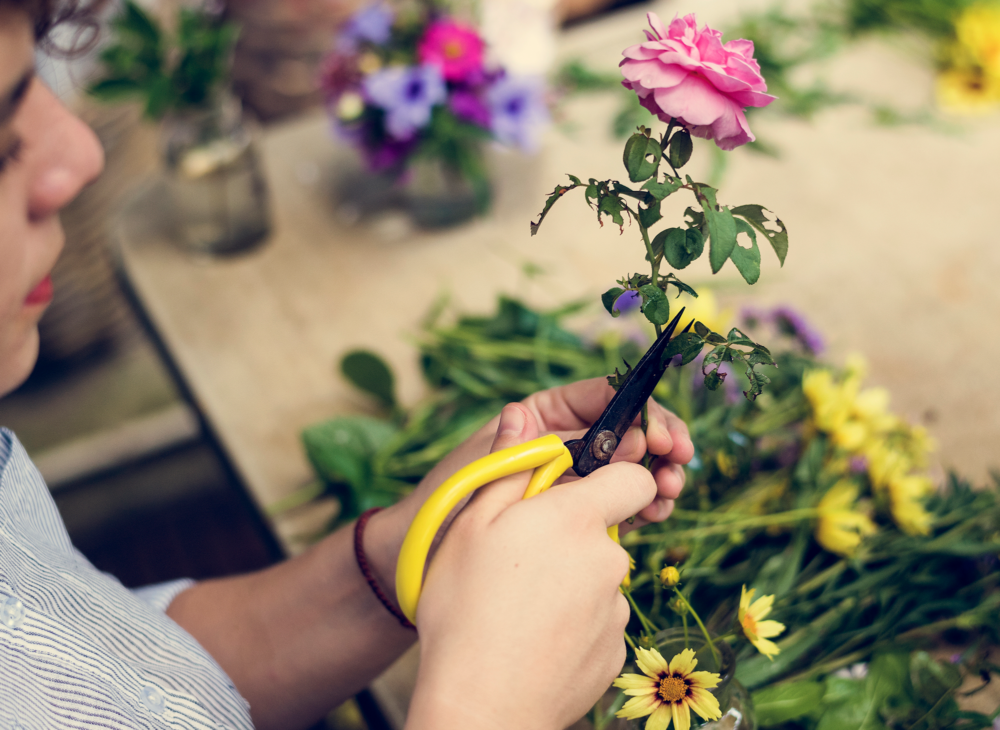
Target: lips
(41, 294)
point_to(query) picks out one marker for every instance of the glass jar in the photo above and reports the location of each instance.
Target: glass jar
(218, 194)
(439, 196)
(734, 700)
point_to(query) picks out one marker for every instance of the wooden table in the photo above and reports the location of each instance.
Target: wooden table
(892, 254)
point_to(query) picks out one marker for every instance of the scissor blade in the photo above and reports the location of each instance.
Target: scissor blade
(598, 445)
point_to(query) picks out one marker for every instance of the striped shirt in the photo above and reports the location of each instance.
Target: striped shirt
(78, 649)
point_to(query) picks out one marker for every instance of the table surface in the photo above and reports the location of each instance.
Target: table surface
(891, 255)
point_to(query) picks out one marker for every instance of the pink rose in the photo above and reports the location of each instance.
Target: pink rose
(454, 48)
(690, 75)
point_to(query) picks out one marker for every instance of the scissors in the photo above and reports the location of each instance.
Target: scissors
(548, 456)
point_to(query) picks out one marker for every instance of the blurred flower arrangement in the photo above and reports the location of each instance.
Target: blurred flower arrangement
(414, 83)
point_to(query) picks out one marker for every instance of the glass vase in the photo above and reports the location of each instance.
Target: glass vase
(734, 700)
(218, 194)
(438, 195)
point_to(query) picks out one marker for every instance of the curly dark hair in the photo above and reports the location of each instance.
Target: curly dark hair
(82, 15)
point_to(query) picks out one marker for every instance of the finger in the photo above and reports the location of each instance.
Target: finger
(669, 477)
(517, 426)
(659, 510)
(616, 491)
(572, 406)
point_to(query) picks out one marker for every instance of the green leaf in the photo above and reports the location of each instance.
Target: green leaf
(747, 260)
(721, 227)
(661, 190)
(368, 372)
(701, 330)
(649, 215)
(342, 452)
(613, 206)
(560, 190)
(655, 304)
(687, 345)
(638, 150)
(137, 21)
(680, 148)
(755, 216)
(784, 702)
(609, 298)
(714, 379)
(736, 337)
(681, 246)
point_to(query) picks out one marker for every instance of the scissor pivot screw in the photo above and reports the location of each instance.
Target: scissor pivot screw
(604, 445)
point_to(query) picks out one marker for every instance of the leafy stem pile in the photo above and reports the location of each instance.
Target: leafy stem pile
(716, 225)
(921, 612)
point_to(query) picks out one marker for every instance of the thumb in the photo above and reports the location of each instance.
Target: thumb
(617, 491)
(517, 426)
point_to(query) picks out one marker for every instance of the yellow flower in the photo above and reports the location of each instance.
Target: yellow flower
(757, 630)
(831, 402)
(885, 463)
(668, 691)
(978, 33)
(705, 309)
(840, 527)
(967, 91)
(906, 494)
(670, 576)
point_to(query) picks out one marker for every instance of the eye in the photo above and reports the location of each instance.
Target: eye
(11, 154)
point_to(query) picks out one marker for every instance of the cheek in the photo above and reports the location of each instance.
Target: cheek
(18, 351)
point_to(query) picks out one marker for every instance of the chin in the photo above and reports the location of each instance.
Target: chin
(16, 365)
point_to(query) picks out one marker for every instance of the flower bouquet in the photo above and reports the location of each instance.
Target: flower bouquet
(413, 88)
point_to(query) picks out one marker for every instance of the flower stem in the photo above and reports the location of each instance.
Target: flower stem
(708, 637)
(781, 518)
(652, 262)
(628, 640)
(647, 625)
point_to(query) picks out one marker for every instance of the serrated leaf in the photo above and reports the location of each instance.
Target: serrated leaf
(662, 190)
(368, 372)
(671, 280)
(638, 150)
(681, 246)
(747, 260)
(650, 215)
(715, 339)
(560, 190)
(686, 344)
(609, 298)
(611, 205)
(754, 215)
(574, 179)
(697, 219)
(721, 227)
(714, 379)
(736, 337)
(655, 305)
(680, 148)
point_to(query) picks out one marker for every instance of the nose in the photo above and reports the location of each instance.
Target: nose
(63, 153)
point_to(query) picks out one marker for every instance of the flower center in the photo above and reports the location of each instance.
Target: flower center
(673, 689)
(453, 50)
(749, 625)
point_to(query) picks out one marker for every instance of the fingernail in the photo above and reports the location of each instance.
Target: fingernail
(511, 422)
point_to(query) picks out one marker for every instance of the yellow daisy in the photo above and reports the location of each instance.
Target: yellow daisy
(755, 629)
(841, 527)
(668, 691)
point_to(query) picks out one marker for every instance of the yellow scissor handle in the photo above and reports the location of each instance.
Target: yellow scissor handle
(547, 455)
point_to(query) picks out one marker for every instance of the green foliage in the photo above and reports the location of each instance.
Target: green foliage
(754, 460)
(368, 372)
(718, 225)
(168, 73)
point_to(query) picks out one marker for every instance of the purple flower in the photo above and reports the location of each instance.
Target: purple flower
(469, 107)
(372, 24)
(627, 301)
(407, 94)
(791, 323)
(859, 464)
(517, 107)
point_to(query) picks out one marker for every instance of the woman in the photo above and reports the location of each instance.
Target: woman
(520, 621)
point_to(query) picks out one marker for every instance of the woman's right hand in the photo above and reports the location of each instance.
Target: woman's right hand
(521, 619)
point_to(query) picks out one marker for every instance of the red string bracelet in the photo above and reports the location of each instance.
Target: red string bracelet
(366, 571)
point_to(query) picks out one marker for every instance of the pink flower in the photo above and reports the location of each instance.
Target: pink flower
(690, 75)
(454, 48)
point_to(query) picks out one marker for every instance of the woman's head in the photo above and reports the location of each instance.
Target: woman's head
(47, 156)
